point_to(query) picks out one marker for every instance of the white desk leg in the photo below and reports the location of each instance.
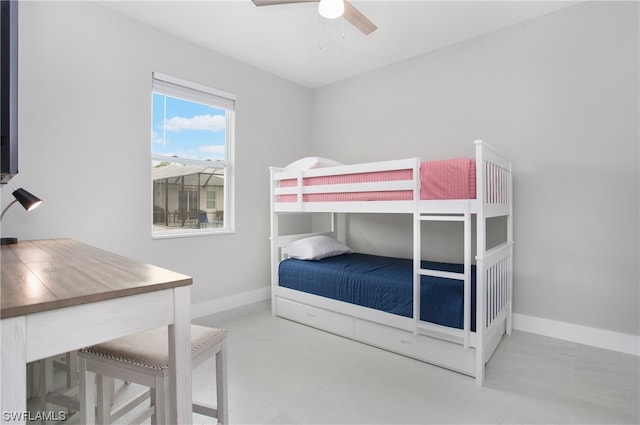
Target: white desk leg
(13, 370)
(180, 358)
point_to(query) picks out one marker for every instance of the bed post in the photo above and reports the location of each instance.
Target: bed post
(481, 247)
(467, 277)
(417, 246)
(274, 247)
(509, 326)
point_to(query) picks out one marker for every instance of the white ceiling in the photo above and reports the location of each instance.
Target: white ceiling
(294, 42)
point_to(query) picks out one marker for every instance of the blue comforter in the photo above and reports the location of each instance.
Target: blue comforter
(382, 283)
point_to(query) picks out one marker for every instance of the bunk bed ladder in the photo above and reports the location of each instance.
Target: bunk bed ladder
(465, 276)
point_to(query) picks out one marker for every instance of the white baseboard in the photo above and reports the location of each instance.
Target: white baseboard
(601, 338)
(230, 302)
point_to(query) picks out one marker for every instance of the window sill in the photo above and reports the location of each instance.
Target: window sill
(187, 234)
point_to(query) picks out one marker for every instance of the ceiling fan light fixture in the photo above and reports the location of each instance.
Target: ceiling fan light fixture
(331, 9)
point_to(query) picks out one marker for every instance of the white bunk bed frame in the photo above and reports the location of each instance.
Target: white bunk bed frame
(457, 349)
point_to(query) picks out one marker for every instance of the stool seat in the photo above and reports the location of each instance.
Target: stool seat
(150, 349)
(143, 359)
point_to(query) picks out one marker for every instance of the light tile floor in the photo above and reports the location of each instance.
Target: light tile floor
(281, 372)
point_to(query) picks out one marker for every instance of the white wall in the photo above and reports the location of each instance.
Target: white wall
(85, 80)
(559, 95)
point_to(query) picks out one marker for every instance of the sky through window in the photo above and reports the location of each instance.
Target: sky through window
(187, 129)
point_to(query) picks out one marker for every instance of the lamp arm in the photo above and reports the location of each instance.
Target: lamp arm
(4, 211)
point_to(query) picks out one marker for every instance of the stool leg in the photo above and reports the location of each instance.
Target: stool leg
(221, 384)
(72, 369)
(87, 394)
(104, 386)
(45, 386)
(33, 389)
(159, 397)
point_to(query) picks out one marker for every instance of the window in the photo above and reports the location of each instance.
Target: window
(192, 153)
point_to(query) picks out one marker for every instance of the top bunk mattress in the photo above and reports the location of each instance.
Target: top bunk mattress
(439, 180)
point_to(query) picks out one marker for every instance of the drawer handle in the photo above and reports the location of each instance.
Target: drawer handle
(406, 341)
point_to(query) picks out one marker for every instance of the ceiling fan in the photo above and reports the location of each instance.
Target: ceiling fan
(331, 9)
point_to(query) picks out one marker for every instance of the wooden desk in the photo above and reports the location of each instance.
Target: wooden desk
(61, 295)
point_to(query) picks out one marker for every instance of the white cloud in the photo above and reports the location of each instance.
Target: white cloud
(199, 122)
(156, 139)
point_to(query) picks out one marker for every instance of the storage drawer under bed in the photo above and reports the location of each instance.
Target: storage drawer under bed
(432, 350)
(329, 321)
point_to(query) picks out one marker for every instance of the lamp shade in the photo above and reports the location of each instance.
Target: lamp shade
(331, 9)
(28, 200)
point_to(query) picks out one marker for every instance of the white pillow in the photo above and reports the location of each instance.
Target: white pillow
(315, 248)
(312, 162)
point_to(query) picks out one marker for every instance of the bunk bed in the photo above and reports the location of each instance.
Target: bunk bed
(450, 315)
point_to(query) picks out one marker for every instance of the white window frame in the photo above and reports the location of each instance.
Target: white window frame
(176, 87)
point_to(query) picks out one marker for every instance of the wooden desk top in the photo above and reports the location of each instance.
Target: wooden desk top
(49, 274)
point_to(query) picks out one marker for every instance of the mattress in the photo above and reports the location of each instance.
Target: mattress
(443, 179)
(382, 283)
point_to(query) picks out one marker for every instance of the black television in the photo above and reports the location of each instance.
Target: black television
(8, 90)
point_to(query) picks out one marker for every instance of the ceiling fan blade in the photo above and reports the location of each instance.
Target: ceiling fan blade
(355, 17)
(351, 14)
(277, 2)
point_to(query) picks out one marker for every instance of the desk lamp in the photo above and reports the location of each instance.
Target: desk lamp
(28, 201)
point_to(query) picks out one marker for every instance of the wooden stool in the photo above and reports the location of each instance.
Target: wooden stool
(143, 359)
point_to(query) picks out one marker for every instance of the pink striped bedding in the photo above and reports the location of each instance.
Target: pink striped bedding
(443, 179)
